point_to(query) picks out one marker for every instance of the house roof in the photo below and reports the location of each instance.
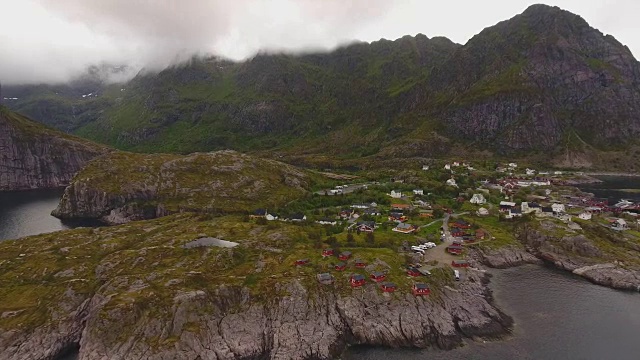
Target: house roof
(341, 264)
(460, 262)
(507, 203)
(325, 277)
(260, 212)
(370, 224)
(297, 216)
(360, 261)
(404, 226)
(389, 284)
(345, 253)
(516, 211)
(547, 209)
(421, 286)
(357, 277)
(377, 274)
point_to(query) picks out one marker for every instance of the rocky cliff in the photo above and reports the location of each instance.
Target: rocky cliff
(122, 187)
(35, 157)
(135, 291)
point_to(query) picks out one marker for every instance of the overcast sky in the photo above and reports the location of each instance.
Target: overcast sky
(51, 40)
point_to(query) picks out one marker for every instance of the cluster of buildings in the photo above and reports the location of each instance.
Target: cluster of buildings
(357, 280)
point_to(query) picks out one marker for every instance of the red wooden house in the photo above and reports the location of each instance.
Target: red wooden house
(421, 289)
(340, 266)
(388, 287)
(480, 234)
(360, 264)
(327, 252)
(377, 276)
(454, 249)
(462, 224)
(345, 255)
(301, 262)
(457, 232)
(357, 280)
(460, 263)
(413, 272)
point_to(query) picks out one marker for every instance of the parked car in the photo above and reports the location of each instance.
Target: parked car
(417, 249)
(430, 245)
(456, 274)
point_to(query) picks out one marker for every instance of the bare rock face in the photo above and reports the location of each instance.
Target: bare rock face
(506, 257)
(35, 157)
(230, 324)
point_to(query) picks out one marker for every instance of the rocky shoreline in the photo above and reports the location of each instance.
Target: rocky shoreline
(610, 274)
(301, 325)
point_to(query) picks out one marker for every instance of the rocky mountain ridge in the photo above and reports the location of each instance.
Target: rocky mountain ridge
(544, 72)
(34, 157)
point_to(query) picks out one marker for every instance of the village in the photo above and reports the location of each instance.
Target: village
(413, 232)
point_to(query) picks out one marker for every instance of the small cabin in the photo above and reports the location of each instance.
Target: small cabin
(421, 289)
(388, 287)
(454, 249)
(327, 252)
(345, 255)
(325, 278)
(462, 224)
(413, 272)
(357, 280)
(340, 266)
(460, 263)
(377, 276)
(360, 264)
(480, 234)
(301, 262)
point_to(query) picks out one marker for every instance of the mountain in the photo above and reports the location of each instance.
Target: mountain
(543, 85)
(34, 156)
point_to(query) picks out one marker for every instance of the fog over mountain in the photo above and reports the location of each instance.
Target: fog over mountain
(54, 40)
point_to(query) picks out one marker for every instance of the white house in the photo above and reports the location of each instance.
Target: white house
(530, 171)
(585, 216)
(456, 164)
(425, 167)
(482, 212)
(525, 207)
(396, 194)
(558, 208)
(270, 217)
(478, 199)
(619, 225)
(557, 172)
(418, 192)
(447, 167)
(512, 213)
(512, 165)
(452, 182)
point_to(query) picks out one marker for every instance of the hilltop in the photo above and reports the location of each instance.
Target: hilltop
(543, 85)
(34, 156)
(121, 187)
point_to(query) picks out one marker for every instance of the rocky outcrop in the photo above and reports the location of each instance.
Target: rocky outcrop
(123, 187)
(574, 253)
(230, 324)
(505, 257)
(34, 157)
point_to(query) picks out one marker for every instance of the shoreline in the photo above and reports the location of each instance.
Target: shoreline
(623, 174)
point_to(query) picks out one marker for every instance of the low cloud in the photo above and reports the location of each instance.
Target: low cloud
(54, 40)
